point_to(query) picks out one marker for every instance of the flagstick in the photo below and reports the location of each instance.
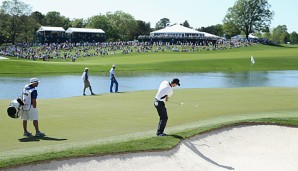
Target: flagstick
(252, 60)
(250, 75)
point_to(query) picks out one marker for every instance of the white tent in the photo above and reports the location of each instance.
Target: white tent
(54, 29)
(83, 30)
(177, 30)
(240, 37)
(210, 35)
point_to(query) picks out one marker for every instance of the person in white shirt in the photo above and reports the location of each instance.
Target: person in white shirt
(85, 78)
(113, 79)
(164, 92)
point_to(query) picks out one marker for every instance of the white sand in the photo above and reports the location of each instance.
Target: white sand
(3, 58)
(244, 148)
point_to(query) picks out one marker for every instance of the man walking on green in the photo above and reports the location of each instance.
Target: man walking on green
(85, 78)
(113, 79)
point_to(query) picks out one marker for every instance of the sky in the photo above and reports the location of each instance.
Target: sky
(198, 13)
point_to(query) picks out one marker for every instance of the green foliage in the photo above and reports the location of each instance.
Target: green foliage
(14, 19)
(185, 24)
(214, 29)
(162, 23)
(280, 34)
(249, 15)
(294, 38)
(54, 19)
(78, 23)
(123, 24)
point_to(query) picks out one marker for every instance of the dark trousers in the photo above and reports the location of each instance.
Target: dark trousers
(163, 116)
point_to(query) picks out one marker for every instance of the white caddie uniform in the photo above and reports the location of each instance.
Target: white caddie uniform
(28, 112)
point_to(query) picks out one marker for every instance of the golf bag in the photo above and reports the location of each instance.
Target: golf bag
(14, 108)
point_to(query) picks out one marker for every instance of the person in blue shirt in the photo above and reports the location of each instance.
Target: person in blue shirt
(29, 110)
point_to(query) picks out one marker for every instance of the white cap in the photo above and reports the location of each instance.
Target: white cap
(86, 68)
(34, 80)
(113, 65)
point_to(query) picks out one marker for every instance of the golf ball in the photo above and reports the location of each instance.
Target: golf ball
(181, 103)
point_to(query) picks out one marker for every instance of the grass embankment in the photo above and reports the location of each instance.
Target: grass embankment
(266, 57)
(126, 122)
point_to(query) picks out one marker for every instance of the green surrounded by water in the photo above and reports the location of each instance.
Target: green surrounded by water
(126, 122)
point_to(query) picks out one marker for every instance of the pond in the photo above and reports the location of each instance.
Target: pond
(72, 85)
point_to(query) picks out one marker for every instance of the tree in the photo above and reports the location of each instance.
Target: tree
(294, 38)
(214, 29)
(54, 19)
(78, 23)
(186, 24)
(123, 24)
(12, 14)
(101, 22)
(280, 34)
(230, 30)
(38, 17)
(249, 15)
(28, 29)
(162, 23)
(142, 28)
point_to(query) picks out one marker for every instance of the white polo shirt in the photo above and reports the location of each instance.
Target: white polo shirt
(164, 89)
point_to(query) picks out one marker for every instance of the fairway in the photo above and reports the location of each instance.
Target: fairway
(229, 60)
(79, 122)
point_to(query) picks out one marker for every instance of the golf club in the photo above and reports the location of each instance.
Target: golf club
(181, 103)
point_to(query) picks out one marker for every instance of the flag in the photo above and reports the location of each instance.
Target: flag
(252, 60)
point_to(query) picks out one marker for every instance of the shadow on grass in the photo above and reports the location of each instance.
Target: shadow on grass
(34, 139)
(177, 136)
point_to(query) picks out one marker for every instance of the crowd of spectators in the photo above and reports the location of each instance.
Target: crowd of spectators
(72, 51)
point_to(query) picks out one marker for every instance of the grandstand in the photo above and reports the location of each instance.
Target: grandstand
(73, 35)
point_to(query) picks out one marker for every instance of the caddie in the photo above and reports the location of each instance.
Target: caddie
(29, 110)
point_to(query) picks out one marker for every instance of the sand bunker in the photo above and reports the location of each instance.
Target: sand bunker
(2, 57)
(260, 147)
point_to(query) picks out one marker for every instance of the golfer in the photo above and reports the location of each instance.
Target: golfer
(29, 110)
(164, 92)
(113, 79)
(85, 78)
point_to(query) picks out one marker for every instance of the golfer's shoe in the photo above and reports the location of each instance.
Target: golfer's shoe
(40, 134)
(162, 134)
(92, 94)
(84, 94)
(27, 134)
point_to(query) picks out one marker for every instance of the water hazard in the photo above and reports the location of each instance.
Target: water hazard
(72, 85)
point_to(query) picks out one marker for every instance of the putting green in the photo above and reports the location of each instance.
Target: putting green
(82, 121)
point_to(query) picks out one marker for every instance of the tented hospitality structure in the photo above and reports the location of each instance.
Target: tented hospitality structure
(177, 31)
(85, 35)
(179, 34)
